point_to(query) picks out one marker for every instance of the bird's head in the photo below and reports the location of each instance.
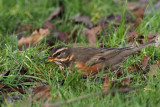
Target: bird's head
(60, 54)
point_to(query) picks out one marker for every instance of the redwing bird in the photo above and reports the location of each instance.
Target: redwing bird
(89, 60)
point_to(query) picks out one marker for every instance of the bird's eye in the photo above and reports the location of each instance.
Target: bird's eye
(58, 53)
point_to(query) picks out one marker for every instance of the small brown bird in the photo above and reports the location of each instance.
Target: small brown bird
(89, 60)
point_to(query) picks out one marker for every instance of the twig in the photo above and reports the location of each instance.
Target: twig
(54, 13)
(121, 90)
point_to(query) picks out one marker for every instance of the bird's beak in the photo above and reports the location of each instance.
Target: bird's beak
(50, 59)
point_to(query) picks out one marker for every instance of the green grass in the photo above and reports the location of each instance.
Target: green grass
(14, 13)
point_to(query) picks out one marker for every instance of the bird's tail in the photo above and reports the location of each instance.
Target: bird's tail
(134, 50)
(144, 46)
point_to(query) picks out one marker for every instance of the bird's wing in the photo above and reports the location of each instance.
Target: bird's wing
(103, 56)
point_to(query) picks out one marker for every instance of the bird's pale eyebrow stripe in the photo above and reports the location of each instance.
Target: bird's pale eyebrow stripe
(59, 50)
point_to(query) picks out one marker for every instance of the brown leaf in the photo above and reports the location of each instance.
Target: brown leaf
(61, 36)
(1, 86)
(154, 69)
(119, 73)
(104, 21)
(139, 15)
(151, 36)
(107, 84)
(133, 37)
(145, 61)
(116, 18)
(110, 84)
(134, 67)
(64, 37)
(48, 25)
(42, 93)
(140, 39)
(36, 36)
(91, 34)
(84, 19)
(54, 13)
(138, 10)
(8, 89)
(23, 91)
(124, 82)
(72, 35)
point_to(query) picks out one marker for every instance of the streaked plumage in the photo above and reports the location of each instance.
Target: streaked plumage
(90, 60)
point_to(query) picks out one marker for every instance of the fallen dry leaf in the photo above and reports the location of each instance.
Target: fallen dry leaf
(140, 39)
(91, 34)
(134, 67)
(119, 73)
(125, 82)
(154, 69)
(61, 36)
(104, 21)
(9, 89)
(107, 84)
(72, 35)
(138, 10)
(41, 93)
(133, 37)
(64, 37)
(47, 23)
(110, 84)
(116, 18)
(151, 36)
(139, 15)
(1, 86)
(36, 36)
(54, 13)
(84, 19)
(145, 61)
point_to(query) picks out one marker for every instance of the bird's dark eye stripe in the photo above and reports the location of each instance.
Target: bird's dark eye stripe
(58, 53)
